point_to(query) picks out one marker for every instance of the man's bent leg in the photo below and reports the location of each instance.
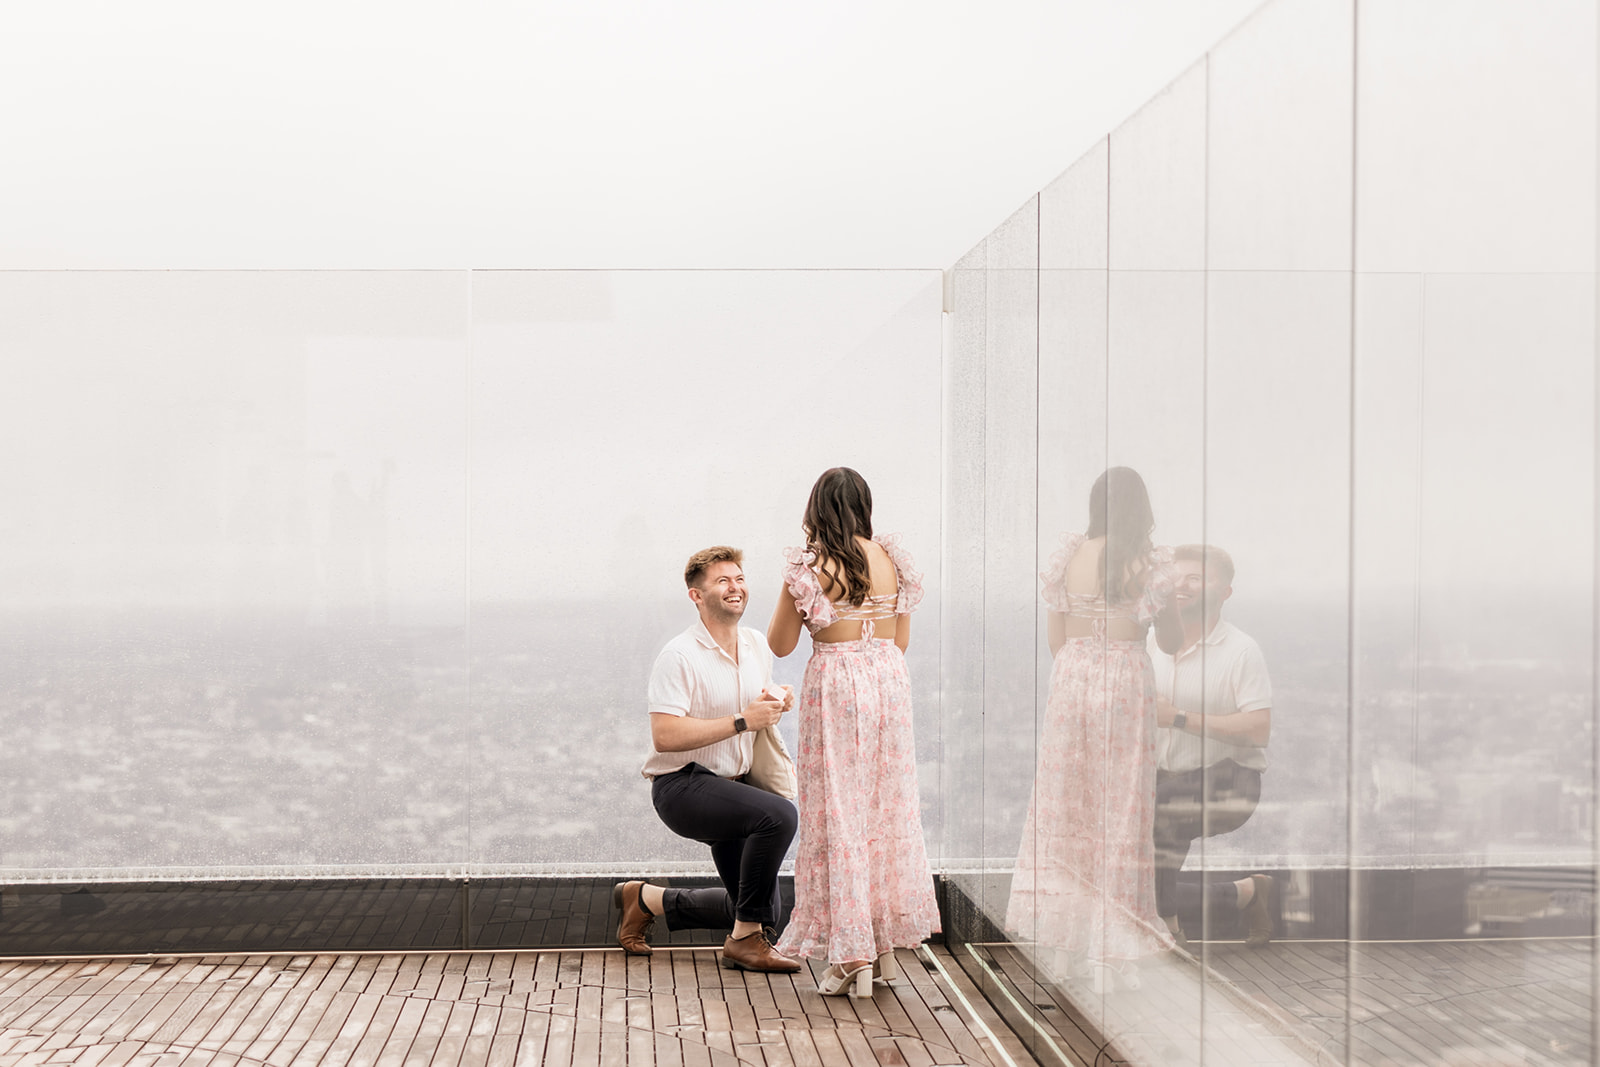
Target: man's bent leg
(749, 831)
(772, 827)
(1177, 823)
(1231, 794)
(709, 908)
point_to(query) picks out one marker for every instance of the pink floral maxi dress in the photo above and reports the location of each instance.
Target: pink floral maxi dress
(862, 884)
(1085, 875)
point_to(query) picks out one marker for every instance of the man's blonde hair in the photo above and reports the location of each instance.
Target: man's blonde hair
(1214, 561)
(705, 558)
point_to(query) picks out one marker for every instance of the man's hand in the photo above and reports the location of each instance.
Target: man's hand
(1166, 711)
(762, 713)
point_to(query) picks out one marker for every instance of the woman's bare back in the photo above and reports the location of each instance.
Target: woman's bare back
(885, 584)
(1085, 580)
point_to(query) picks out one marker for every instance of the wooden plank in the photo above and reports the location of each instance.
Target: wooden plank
(696, 1053)
(319, 1024)
(485, 1024)
(159, 1015)
(397, 1040)
(108, 1015)
(238, 1011)
(914, 1053)
(714, 1016)
(275, 1025)
(191, 1006)
(641, 1048)
(802, 1046)
(856, 1048)
(666, 1050)
(131, 1016)
(457, 1028)
(956, 1037)
(503, 1051)
(533, 1037)
(558, 1043)
(640, 971)
(685, 971)
(91, 1006)
(365, 1013)
(69, 1005)
(429, 1033)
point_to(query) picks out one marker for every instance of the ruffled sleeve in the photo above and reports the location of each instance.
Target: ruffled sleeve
(1159, 582)
(910, 578)
(1053, 579)
(801, 581)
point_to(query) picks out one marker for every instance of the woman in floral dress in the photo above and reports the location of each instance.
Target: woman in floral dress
(1084, 886)
(862, 883)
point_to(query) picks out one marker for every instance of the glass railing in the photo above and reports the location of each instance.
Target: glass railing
(363, 573)
(1332, 296)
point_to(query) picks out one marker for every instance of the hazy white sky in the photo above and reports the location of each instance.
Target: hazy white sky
(572, 133)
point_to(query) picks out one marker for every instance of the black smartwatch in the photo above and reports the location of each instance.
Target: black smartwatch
(1180, 720)
(739, 725)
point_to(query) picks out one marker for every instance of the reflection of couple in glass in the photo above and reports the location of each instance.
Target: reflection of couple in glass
(1107, 833)
(1084, 882)
(862, 882)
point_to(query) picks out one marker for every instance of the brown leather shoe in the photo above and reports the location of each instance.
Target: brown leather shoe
(1258, 913)
(753, 952)
(635, 922)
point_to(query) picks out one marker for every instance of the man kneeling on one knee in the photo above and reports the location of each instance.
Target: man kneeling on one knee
(1214, 704)
(706, 704)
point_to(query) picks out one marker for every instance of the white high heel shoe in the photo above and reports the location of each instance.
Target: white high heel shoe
(886, 968)
(1109, 977)
(836, 982)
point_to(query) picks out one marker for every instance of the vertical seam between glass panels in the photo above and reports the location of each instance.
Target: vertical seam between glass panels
(1105, 423)
(1416, 561)
(1594, 602)
(1350, 532)
(466, 563)
(1038, 304)
(1205, 517)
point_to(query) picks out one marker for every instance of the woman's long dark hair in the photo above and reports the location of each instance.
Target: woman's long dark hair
(1119, 511)
(839, 511)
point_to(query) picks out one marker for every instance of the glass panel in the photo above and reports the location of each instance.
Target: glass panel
(1158, 181)
(1477, 652)
(236, 606)
(1267, 673)
(1073, 214)
(619, 424)
(1477, 133)
(962, 639)
(1278, 152)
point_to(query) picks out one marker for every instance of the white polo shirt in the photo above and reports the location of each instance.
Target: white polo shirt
(694, 676)
(1222, 674)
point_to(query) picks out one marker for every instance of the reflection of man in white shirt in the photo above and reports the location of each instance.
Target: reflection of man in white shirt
(1214, 704)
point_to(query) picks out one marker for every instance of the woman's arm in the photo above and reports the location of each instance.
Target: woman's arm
(783, 632)
(1056, 631)
(1169, 629)
(902, 631)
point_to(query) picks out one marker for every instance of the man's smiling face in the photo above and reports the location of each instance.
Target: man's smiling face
(720, 593)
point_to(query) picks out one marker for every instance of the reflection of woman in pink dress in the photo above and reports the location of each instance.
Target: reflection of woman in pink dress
(862, 885)
(1085, 878)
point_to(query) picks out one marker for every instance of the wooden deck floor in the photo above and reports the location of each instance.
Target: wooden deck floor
(1484, 1003)
(677, 1008)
